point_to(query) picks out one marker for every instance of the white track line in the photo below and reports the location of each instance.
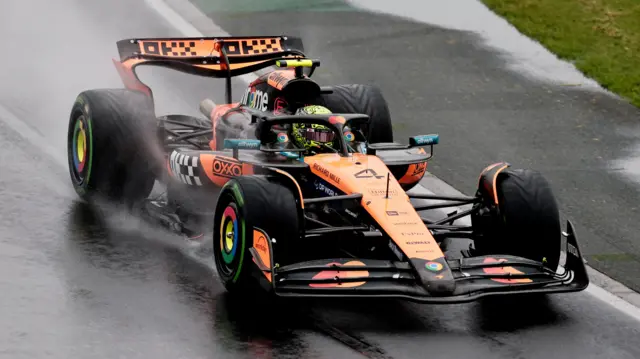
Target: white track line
(621, 302)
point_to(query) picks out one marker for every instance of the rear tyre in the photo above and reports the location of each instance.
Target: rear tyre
(110, 145)
(364, 99)
(526, 222)
(247, 205)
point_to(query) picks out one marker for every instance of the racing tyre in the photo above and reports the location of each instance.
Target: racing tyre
(526, 222)
(363, 99)
(247, 208)
(109, 145)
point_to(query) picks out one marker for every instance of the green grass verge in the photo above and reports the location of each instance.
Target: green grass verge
(601, 37)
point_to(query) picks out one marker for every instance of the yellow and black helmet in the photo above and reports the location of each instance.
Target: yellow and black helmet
(312, 135)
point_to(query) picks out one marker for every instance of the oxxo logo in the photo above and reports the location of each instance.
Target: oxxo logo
(256, 99)
(226, 168)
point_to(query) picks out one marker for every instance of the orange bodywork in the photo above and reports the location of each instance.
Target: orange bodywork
(336, 273)
(279, 78)
(262, 248)
(220, 169)
(215, 114)
(368, 175)
(129, 77)
(504, 270)
(414, 173)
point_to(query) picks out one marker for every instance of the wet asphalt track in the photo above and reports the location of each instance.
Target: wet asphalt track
(77, 286)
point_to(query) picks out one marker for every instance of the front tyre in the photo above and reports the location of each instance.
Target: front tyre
(525, 222)
(248, 206)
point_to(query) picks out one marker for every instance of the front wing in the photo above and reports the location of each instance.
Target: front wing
(475, 277)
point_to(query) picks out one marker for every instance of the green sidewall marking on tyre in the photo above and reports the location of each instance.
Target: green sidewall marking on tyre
(90, 143)
(240, 200)
(235, 278)
(238, 194)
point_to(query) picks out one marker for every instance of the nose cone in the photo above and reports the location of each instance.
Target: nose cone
(435, 276)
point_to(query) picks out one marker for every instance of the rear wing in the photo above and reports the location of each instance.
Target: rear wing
(218, 57)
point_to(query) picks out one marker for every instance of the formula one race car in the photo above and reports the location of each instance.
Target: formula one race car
(305, 190)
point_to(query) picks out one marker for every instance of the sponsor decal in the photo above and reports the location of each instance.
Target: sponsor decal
(320, 186)
(425, 140)
(279, 105)
(419, 169)
(277, 80)
(396, 213)
(226, 168)
(413, 243)
(413, 233)
(326, 172)
(405, 223)
(261, 244)
(169, 48)
(434, 266)
(251, 46)
(245, 144)
(262, 247)
(381, 192)
(238, 47)
(257, 99)
(368, 173)
(426, 251)
(349, 136)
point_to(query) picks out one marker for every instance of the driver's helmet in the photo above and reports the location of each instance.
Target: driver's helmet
(310, 136)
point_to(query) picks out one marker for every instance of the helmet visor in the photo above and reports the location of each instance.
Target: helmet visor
(318, 135)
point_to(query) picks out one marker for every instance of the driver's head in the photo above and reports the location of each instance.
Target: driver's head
(312, 136)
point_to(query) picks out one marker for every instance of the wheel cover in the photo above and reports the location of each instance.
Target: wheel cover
(229, 238)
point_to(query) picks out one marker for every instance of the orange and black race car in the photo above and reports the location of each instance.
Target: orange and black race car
(304, 188)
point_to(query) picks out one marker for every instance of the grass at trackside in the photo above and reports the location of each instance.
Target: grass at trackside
(601, 37)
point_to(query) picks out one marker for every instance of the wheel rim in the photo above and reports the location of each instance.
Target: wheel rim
(229, 236)
(80, 148)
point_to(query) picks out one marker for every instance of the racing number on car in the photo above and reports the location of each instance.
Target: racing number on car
(368, 173)
(226, 168)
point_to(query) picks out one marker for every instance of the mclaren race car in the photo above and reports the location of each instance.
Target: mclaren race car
(302, 188)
